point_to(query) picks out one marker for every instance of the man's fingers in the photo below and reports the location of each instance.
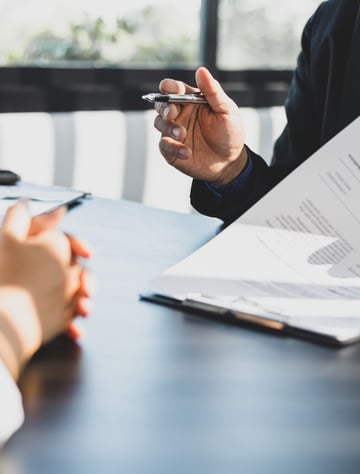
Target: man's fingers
(168, 111)
(218, 100)
(171, 86)
(169, 129)
(172, 150)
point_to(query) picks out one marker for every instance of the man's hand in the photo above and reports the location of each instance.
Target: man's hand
(205, 142)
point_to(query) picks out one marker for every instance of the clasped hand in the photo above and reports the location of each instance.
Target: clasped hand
(43, 285)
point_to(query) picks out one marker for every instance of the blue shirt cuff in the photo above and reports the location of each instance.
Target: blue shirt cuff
(237, 185)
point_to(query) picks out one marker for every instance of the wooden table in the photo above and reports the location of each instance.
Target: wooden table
(153, 390)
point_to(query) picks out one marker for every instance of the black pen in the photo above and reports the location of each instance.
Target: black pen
(196, 98)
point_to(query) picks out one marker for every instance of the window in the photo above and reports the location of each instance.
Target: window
(138, 33)
(85, 54)
(261, 34)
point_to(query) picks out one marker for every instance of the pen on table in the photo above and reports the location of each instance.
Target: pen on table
(196, 98)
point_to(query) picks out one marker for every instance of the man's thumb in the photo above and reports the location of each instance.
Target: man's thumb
(218, 100)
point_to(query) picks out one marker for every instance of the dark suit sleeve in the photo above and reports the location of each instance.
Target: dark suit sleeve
(297, 142)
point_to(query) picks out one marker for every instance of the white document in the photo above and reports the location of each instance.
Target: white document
(295, 255)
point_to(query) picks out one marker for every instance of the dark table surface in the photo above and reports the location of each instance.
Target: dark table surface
(151, 390)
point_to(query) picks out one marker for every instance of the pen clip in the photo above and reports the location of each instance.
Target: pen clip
(231, 314)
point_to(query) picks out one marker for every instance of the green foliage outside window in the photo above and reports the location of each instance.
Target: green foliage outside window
(130, 41)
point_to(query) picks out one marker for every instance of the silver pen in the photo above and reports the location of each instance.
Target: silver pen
(196, 98)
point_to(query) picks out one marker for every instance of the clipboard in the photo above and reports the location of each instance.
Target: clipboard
(205, 307)
(290, 263)
(41, 199)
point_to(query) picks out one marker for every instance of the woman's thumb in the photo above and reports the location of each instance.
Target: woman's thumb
(17, 220)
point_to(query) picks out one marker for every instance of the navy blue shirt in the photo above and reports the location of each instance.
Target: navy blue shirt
(324, 97)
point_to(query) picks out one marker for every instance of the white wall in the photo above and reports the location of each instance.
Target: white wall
(110, 153)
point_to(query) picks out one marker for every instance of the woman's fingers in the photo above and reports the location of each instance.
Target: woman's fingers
(74, 332)
(17, 221)
(84, 306)
(47, 221)
(81, 285)
(88, 283)
(78, 247)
